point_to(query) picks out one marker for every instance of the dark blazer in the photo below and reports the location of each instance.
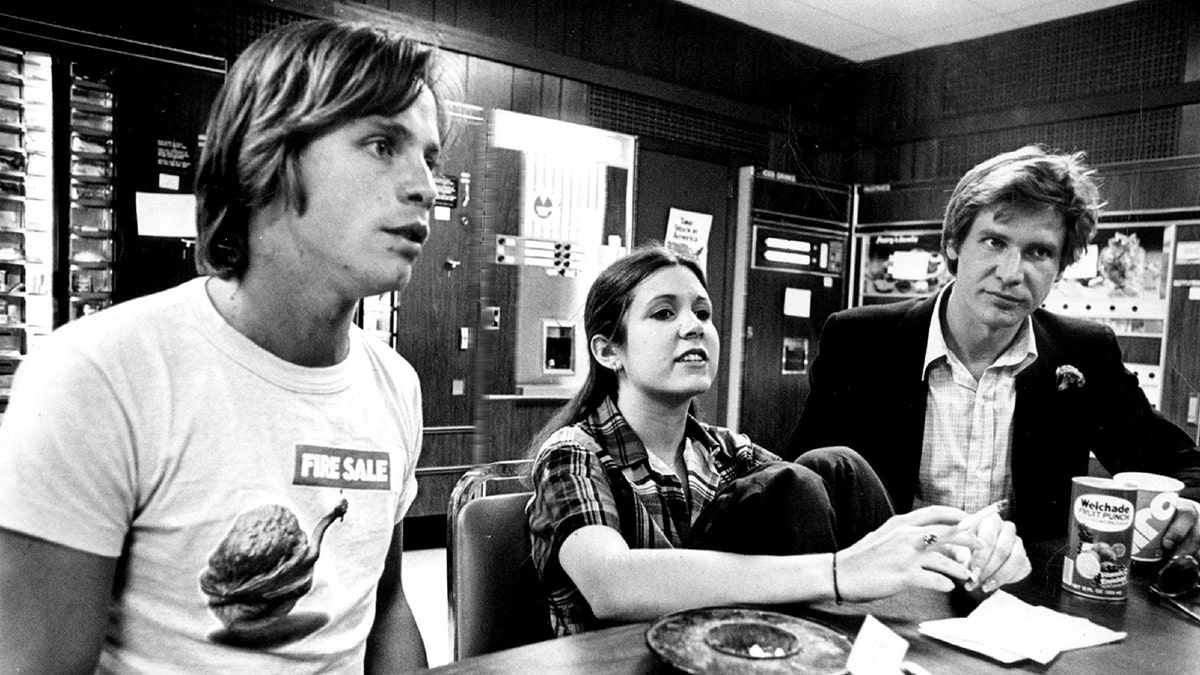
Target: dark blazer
(869, 392)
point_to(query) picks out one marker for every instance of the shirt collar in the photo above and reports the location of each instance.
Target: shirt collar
(622, 441)
(1022, 352)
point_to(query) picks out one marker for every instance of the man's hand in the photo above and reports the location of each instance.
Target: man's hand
(1182, 536)
(1001, 560)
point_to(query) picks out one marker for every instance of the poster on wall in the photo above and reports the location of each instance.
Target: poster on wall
(687, 233)
(166, 215)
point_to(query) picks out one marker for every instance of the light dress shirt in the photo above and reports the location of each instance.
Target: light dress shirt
(966, 451)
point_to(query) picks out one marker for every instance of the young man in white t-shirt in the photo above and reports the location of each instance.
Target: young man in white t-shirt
(213, 478)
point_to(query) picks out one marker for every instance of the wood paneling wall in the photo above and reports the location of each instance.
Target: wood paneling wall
(659, 39)
(1121, 83)
(659, 48)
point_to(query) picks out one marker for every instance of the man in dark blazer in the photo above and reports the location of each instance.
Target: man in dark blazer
(1036, 391)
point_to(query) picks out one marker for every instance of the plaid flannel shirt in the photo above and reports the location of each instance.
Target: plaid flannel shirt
(598, 472)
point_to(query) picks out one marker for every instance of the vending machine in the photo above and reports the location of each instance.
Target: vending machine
(790, 274)
(1122, 280)
(898, 262)
(563, 209)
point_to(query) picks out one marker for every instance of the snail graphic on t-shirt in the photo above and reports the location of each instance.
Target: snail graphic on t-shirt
(263, 566)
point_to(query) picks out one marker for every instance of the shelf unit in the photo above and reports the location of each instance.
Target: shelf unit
(90, 242)
(26, 207)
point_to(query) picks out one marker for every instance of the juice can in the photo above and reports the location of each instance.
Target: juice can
(1099, 538)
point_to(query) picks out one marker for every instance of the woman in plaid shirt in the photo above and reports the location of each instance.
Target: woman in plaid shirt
(640, 509)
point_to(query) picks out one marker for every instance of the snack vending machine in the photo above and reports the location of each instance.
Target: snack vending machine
(898, 262)
(1122, 280)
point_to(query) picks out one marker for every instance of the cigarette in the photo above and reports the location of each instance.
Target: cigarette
(978, 517)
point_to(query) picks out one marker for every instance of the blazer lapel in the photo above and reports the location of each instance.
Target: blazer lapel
(1035, 389)
(1041, 453)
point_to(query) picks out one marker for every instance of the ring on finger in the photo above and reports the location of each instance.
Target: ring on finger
(929, 539)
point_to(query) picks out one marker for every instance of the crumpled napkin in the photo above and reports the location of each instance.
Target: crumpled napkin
(1008, 630)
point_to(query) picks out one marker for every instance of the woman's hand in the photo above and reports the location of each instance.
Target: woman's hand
(913, 550)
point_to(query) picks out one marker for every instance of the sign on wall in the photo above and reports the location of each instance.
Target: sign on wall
(687, 233)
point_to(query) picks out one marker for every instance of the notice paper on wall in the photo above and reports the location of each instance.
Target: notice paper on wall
(166, 215)
(797, 302)
(687, 233)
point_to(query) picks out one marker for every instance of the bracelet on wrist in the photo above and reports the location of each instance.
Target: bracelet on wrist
(837, 594)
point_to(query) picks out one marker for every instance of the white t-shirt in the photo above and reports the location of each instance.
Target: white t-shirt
(153, 431)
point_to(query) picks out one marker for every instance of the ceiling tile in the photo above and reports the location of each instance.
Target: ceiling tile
(965, 31)
(807, 25)
(867, 29)
(824, 30)
(1006, 6)
(877, 50)
(886, 16)
(1059, 9)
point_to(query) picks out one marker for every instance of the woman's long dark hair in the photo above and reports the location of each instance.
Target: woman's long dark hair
(604, 313)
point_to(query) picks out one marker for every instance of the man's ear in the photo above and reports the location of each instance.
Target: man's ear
(951, 251)
(605, 352)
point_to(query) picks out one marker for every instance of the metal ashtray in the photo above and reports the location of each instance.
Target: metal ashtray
(752, 640)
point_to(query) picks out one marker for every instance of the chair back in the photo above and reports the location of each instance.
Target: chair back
(495, 598)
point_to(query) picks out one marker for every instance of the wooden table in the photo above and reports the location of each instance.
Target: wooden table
(1160, 639)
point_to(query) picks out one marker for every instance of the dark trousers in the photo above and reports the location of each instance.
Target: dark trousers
(825, 501)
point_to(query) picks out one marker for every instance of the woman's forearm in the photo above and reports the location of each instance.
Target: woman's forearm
(627, 585)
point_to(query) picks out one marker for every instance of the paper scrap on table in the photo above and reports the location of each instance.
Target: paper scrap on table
(1008, 630)
(877, 650)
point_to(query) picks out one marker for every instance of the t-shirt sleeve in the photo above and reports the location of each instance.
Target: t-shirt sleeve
(408, 493)
(67, 469)
(570, 490)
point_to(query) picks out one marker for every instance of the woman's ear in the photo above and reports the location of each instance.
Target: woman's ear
(605, 353)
